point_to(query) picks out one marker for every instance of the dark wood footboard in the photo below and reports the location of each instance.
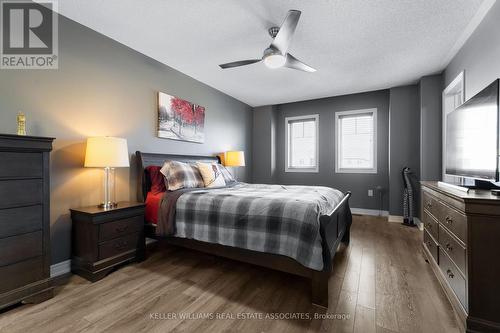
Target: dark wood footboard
(334, 229)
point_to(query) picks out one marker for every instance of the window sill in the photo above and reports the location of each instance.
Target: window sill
(311, 170)
(357, 171)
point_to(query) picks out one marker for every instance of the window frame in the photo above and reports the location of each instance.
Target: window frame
(338, 141)
(288, 168)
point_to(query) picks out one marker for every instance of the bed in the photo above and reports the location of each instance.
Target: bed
(315, 243)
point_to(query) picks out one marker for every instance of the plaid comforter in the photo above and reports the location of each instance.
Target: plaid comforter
(266, 218)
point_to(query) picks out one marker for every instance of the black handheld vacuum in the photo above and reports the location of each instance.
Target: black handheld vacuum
(408, 203)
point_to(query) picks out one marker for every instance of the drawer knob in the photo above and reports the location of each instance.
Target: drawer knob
(449, 248)
(429, 204)
(429, 226)
(450, 274)
(449, 220)
(122, 229)
(121, 245)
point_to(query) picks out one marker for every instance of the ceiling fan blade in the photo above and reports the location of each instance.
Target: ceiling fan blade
(282, 40)
(239, 63)
(292, 62)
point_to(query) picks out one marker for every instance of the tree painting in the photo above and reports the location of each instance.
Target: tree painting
(179, 119)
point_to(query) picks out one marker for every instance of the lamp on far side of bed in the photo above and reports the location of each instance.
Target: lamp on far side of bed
(234, 159)
(108, 153)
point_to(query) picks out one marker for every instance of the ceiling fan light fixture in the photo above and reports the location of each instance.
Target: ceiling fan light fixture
(275, 60)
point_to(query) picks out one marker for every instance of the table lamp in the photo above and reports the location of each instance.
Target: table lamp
(234, 159)
(108, 153)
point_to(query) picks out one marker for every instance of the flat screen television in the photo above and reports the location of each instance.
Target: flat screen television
(472, 137)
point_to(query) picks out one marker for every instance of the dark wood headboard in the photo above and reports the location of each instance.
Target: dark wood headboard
(147, 159)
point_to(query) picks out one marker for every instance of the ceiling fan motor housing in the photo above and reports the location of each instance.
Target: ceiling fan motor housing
(273, 31)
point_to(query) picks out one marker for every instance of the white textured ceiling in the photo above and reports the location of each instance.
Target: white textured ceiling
(356, 45)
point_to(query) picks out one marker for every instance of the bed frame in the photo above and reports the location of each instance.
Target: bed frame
(334, 229)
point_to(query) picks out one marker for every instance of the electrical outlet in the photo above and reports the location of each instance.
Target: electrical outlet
(370, 193)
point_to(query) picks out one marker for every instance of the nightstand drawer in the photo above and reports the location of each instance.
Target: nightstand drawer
(119, 245)
(111, 230)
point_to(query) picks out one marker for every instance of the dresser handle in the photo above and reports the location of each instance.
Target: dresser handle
(450, 274)
(449, 248)
(121, 245)
(449, 220)
(429, 243)
(122, 229)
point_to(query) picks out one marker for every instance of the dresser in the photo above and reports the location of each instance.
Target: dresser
(24, 219)
(462, 244)
(104, 239)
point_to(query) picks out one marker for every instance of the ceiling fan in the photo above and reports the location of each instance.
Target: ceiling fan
(276, 55)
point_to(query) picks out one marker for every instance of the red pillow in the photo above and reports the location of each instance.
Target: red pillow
(156, 179)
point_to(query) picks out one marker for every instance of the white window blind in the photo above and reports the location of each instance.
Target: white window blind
(302, 143)
(356, 141)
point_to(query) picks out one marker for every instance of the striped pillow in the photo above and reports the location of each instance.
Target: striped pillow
(181, 175)
(228, 177)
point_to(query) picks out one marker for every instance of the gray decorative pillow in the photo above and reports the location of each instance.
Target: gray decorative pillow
(181, 175)
(228, 177)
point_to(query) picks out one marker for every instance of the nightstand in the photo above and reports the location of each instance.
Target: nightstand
(106, 238)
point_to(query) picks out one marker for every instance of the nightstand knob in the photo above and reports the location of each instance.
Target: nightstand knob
(122, 229)
(449, 220)
(121, 245)
(448, 247)
(450, 274)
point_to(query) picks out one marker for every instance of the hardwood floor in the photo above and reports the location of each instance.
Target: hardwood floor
(381, 283)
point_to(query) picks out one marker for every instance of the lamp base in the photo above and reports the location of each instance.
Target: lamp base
(108, 205)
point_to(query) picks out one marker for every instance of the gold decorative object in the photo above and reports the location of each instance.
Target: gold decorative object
(21, 124)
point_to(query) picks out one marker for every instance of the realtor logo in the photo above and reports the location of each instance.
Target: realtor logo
(29, 35)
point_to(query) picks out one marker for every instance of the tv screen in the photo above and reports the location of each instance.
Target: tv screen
(472, 137)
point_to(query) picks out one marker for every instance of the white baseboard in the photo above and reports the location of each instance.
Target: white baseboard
(371, 212)
(399, 219)
(60, 268)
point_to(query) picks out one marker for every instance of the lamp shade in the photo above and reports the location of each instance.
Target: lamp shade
(105, 152)
(235, 158)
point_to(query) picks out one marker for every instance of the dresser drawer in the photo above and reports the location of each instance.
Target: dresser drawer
(453, 277)
(18, 248)
(119, 245)
(21, 273)
(453, 248)
(430, 204)
(454, 222)
(19, 165)
(431, 246)
(16, 221)
(16, 193)
(111, 230)
(431, 225)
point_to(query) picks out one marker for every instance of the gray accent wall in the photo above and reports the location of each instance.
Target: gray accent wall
(264, 144)
(480, 55)
(404, 147)
(431, 122)
(105, 88)
(358, 184)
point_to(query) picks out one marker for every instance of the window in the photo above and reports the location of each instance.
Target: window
(356, 144)
(302, 143)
